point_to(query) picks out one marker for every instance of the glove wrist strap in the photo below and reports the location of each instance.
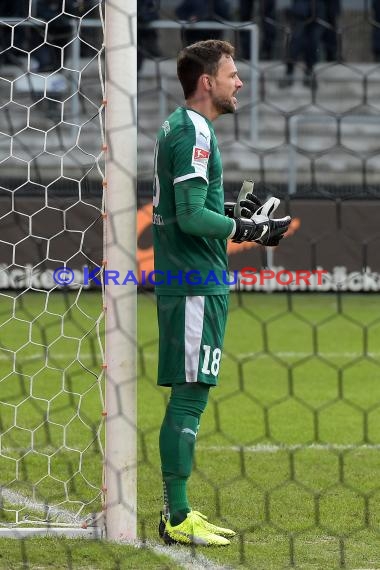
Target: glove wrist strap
(233, 231)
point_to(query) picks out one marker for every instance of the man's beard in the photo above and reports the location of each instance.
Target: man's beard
(223, 105)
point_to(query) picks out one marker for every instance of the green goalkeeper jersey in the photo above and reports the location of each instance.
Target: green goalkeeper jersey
(190, 229)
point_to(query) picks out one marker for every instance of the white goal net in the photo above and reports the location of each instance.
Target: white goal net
(52, 409)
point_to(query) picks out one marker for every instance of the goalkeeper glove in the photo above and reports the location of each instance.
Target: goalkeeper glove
(260, 229)
(246, 204)
(266, 231)
(277, 230)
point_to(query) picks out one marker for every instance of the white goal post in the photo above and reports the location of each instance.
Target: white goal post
(121, 427)
(68, 128)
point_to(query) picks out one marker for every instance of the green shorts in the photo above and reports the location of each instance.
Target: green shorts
(191, 333)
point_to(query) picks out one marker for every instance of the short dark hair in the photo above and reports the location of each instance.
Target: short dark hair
(199, 58)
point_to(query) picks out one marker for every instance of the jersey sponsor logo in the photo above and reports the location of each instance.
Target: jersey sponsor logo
(200, 153)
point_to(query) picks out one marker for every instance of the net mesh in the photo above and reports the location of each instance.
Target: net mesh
(288, 450)
(51, 140)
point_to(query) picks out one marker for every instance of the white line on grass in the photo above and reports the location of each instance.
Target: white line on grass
(258, 448)
(187, 558)
(283, 354)
(298, 354)
(273, 448)
(183, 556)
(20, 500)
(8, 355)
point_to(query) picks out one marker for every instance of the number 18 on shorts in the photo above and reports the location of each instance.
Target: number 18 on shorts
(191, 334)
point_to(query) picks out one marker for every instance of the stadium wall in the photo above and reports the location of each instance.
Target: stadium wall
(324, 234)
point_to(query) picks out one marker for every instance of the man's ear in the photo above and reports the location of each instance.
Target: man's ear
(206, 82)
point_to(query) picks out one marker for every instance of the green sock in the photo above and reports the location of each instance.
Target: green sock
(177, 442)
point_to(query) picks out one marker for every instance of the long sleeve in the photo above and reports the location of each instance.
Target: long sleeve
(192, 215)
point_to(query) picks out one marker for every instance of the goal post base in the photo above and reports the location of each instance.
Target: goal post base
(73, 532)
(94, 528)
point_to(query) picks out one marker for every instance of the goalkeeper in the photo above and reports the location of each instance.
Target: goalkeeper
(191, 227)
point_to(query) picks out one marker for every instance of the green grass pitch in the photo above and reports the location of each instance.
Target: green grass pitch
(288, 450)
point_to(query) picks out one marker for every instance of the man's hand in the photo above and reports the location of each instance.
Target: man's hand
(246, 205)
(277, 230)
(252, 218)
(260, 229)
